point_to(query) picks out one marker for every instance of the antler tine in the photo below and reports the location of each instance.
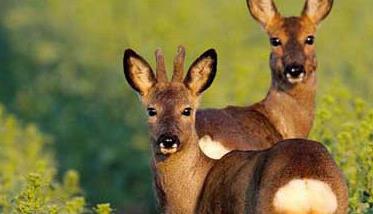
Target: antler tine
(161, 67)
(179, 65)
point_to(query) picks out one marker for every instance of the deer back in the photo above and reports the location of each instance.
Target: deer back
(295, 176)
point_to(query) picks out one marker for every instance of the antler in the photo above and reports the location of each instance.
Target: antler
(161, 67)
(179, 65)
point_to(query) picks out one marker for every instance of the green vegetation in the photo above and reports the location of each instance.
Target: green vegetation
(345, 125)
(61, 68)
(27, 174)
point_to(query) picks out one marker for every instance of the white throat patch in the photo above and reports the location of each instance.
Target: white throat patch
(303, 196)
(212, 149)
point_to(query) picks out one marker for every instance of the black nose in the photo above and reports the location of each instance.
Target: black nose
(168, 141)
(294, 70)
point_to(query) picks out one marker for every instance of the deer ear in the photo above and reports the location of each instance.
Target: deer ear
(202, 72)
(317, 10)
(264, 11)
(138, 72)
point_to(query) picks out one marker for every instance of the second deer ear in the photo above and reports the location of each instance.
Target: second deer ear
(202, 72)
(264, 11)
(138, 72)
(317, 10)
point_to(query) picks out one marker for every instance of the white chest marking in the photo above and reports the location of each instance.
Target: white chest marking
(212, 149)
(303, 196)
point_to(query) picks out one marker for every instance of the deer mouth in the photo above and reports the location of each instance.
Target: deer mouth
(295, 73)
(295, 79)
(168, 144)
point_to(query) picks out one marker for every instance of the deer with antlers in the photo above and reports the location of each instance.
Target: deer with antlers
(295, 176)
(179, 167)
(288, 109)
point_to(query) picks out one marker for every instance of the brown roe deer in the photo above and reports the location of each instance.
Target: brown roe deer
(295, 176)
(288, 109)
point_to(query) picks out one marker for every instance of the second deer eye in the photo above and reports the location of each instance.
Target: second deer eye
(187, 111)
(275, 41)
(310, 40)
(151, 112)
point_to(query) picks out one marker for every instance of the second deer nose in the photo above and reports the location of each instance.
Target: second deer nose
(294, 70)
(168, 141)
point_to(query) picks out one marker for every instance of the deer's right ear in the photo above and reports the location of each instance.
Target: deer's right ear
(138, 72)
(264, 11)
(202, 72)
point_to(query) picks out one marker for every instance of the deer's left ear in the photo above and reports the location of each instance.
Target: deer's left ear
(317, 10)
(202, 72)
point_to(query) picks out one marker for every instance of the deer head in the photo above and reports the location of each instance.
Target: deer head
(171, 105)
(293, 57)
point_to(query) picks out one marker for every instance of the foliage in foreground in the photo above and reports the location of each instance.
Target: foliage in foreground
(345, 125)
(27, 174)
(27, 169)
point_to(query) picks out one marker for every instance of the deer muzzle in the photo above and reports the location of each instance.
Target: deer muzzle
(168, 143)
(295, 73)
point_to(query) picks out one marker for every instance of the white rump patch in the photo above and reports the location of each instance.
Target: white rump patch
(303, 196)
(212, 149)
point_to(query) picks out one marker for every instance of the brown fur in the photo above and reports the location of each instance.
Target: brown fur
(241, 182)
(288, 109)
(246, 182)
(178, 172)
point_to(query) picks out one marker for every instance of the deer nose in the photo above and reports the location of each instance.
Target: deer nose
(294, 70)
(168, 141)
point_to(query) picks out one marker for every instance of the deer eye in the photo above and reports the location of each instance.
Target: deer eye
(310, 40)
(151, 112)
(275, 41)
(187, 111)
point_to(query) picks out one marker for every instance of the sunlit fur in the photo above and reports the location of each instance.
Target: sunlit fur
(179, 171)
(292, 31)
(288, 109)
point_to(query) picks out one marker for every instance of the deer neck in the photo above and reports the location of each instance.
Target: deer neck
(292, 109)
(179, 177)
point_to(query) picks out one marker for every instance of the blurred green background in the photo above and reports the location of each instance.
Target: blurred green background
(61, 69)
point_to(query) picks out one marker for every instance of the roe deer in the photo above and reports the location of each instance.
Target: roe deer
(295, 176)
(179, 167)
(288, 109)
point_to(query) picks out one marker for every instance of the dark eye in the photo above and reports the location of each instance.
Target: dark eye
(310, 40)
(275, 41)
(152, 112)
(187, 111)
